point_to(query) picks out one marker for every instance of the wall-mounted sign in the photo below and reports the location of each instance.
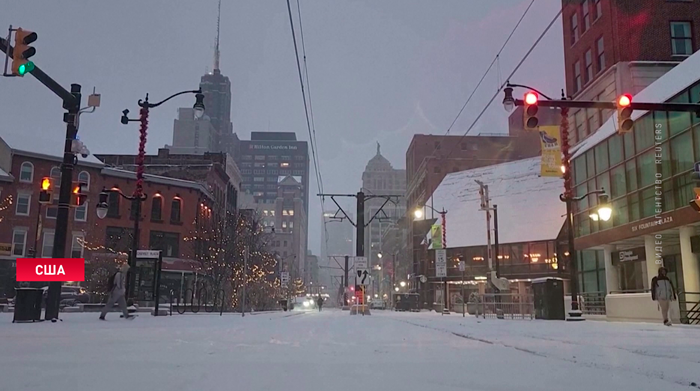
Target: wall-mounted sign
(629, 255)
(272, 147)
(653, 223)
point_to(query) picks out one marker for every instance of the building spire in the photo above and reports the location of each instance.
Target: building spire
(218, 31)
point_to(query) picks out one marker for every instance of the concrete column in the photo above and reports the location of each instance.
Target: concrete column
(691, 267)
(652, 268)
(482, 288)
(612, 280)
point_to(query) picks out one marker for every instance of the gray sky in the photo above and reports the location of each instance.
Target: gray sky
(379, 70)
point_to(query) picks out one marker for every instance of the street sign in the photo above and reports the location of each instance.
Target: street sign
(462, 266)
(441, 263)
(147, 253)
(284, 277)
(362, 271)
(360, 263)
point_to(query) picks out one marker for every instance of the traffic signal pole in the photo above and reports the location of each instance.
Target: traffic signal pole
(71, 102)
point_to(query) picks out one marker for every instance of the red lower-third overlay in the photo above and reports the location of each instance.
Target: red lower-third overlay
(50, 269)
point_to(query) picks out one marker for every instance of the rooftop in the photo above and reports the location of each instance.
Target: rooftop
(115, 172)
(49, 146)
(529, 208)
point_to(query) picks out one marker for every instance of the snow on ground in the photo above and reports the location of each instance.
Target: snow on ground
(333, 350)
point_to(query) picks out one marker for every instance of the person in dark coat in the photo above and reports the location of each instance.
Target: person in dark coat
(319, 303)
(663, 292)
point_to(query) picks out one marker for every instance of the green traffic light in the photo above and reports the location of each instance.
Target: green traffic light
(26, 67)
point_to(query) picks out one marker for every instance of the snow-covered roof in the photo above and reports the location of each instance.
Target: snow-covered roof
(115, 172)
(49, 146)
(4, 176)
(661, 90)
(529, 208)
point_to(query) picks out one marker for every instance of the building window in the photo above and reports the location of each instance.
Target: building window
(77, 245)
(259, 179)
(167, 242)
(175, 210)
(285, 243)
(26, 172)
(577, 77)
(157, 208)
(118, 239)
(601, 54)
(299, 157)
(681, 39)
(436, 170)
(574, 28)
(586, 15)
(81, 212)
(52, 211)
(47, 244)
(84, 177)
(597, 9)
(589, 65)
(19, 242)
(259, 157)
(291, 212)
(247, 157)
(23, 204)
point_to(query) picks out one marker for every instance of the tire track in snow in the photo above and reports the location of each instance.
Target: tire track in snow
(656, 375)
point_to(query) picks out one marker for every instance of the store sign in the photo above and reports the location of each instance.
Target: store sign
(631, 255)
(653, 223)
(272, 147)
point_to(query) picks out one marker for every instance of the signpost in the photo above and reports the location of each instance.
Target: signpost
(155, 256)
(362, 271)
(441, 263)
(462, 268)
(284, 277)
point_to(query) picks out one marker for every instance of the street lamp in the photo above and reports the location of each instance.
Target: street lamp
(402, 283)
(604, 212)
(379, 255)
(418, 213)
(138, 197)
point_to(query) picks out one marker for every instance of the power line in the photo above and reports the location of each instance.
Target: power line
(503, 85)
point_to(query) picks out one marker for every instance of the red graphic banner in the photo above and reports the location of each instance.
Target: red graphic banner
(50, 269)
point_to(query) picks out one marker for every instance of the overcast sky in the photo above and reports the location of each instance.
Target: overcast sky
(379, 70)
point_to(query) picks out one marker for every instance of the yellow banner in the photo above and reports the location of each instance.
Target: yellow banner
(436, 237)
(551, 151)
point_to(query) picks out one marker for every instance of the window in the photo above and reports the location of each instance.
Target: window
(259, 179)
(118, 239)
(284, 164)
(436, 170)
(19, 242)
(299, 157)
(175, 210)
(81, 212)
(577, 77)
(285, 243)
(47, 244)
(681, 39)
(84, 177)
(586, 16)
(597, 9)
(167, 242)
(113, 204)
(26, 172)
(291, 224)
(574, 28)
(589, 65)
(157, 208)
(259, 157)
(77, 245)
(291, 212)
(23, 204)
(600, 61)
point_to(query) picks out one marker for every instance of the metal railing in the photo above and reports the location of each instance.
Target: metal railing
(505, 306)
(592, 303)
(689, 303)
(202, 300)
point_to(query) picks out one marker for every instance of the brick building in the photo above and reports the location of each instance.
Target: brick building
(601, 33)
(173, 211)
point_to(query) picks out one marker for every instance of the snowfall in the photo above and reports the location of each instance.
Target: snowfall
(332, 350)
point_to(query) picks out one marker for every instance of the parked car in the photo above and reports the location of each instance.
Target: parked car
(71, 295)
(377, 304)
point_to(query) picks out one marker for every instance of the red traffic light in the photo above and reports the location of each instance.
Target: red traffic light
(624, 100)
(531, 98)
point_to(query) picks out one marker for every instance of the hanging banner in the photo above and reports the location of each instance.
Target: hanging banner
(436, 237)
(551, 151)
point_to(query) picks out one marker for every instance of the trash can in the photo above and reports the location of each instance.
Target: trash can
(283, 304)
(549, 298)
(28, 305)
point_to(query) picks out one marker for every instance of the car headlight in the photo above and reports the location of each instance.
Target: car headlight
(307, 303)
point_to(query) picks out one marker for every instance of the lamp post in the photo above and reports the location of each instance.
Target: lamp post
(418, 213)
(138, 196)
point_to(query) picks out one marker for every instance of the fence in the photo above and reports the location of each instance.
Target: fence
(689, 303)
(505, 306)
(592, 303)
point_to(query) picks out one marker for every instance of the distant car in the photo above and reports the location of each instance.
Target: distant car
(71, 295)
(377, 304)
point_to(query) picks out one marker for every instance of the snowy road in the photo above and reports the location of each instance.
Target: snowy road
(334, 351)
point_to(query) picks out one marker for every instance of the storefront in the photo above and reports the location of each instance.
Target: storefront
(647, 173)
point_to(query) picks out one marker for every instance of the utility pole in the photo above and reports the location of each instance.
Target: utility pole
(345, 281)
(246, 251)
(495, 239)
(484, 193)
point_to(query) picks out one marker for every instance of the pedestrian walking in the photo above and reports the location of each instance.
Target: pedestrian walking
(117, 292)
(663, 292)
(319, 303)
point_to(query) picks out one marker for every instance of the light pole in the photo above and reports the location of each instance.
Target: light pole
(138, 196)
(418, 213)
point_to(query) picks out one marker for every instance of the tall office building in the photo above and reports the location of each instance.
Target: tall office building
(336, 240)
(381, 178)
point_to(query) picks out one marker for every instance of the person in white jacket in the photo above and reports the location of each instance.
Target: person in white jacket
(663, 291)
(117, 294)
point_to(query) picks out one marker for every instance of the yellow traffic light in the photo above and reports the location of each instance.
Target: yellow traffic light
(22, 52)
(695, 202)
(624, 113)
(45, 193)
(530, 109)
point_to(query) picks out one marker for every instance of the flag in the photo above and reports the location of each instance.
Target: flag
(551, 151)
(436, 237)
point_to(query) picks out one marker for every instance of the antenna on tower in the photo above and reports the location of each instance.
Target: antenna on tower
(218, 31)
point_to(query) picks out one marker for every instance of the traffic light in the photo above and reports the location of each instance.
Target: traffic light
(624, 113)
(22, 51)
(78, 194)
(45, 193)
(531, 121)
(695, 202)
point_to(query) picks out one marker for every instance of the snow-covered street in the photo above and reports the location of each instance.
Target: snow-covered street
(332, 350)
